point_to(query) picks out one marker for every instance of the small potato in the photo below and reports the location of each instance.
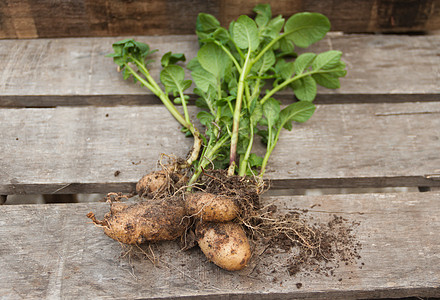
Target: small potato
(211, 208)
(225, 244)
(146, 221)
(152, 183)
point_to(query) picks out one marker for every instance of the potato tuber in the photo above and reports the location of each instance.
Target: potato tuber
(145, 221)
(211, 208)
(225, 244)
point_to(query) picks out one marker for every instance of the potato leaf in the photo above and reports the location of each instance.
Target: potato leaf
(284, 69)
(304, 29)
(273, 29)
(245, 33)
(202, 78)
(213, 59)
(303, 61)
(173, 78)
(305, 88)
(265, 63)
(264, 14)
(256, 114)
(206, 23)
(170, 58)
(299, 111)
(327, 80)
(205, 118)
(271, 110)
(255, 160)
(327, 60)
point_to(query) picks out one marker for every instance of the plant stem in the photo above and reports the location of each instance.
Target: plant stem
(185, 109)
(184, 121)
(244, 161)
(236, 117)
(162, 96)
(208, 157)
(270, 147)
(283, 85)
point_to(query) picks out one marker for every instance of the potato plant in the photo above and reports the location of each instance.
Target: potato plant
(236, 75)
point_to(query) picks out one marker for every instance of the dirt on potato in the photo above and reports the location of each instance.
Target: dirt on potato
(153, 220)
(311, 245)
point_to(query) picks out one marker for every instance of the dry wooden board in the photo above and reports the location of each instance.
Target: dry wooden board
(79, 149)
(53, 72)
(52, 251)
(30, 18)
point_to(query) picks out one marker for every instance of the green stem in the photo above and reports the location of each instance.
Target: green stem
(244, 161)
(270, 147)
(236, 117)
(283, 85)
(207, 158)
(185, 109)
(290, 80)
(162, 96)
(185, 122)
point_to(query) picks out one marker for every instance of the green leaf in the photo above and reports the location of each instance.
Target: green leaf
(299, 111)
(273, 29)
(206, 23)
(173, 78)
(284, 69)
(327, 80)
(264, 14)
(170, 58)
(243, 129)
(305, 88)
(286, 46)
(256, 114)
(221, 35)
(271, 110)
(306, 28)
(203, 79)
(303, 61)
(213, 59)
(327, 60)
(255, 160)
(205, 118)
(245, 33)
(265, 63)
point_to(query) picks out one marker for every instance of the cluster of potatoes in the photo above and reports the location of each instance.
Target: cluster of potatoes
(222, 240)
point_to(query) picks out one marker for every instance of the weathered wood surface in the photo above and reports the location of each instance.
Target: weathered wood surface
(54, 72)
(52, 251)
(31, 18)
(78, 149)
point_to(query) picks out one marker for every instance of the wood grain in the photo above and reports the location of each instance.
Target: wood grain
(54, 72)
(81, 18)
(69, 150)
(52, 251)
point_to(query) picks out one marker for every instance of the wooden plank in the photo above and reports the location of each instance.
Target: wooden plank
(78, 149)
(52, 251)
(29, 18)
(54, 72)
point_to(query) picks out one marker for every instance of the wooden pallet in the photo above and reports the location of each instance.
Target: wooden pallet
(67, 121)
